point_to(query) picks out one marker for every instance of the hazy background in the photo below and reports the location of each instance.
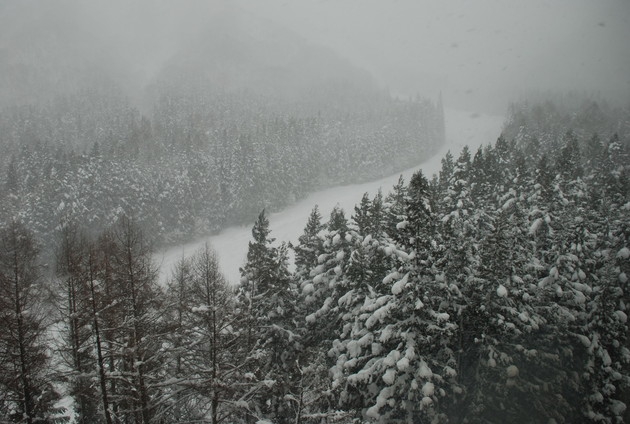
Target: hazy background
(480, 54)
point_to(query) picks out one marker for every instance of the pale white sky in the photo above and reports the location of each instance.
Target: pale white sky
(471, 50)
(479, 53)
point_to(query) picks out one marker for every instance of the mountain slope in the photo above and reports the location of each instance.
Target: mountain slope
(53, 48)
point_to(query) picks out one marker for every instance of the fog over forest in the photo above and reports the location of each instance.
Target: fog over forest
(467, 261)
(480, 55)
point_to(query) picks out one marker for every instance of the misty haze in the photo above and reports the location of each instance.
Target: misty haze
(314, 211)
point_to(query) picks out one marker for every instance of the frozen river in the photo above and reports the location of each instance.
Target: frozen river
(462, 128)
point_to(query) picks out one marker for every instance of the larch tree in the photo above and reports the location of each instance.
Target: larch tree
(27, 394)
(141, 325)
(74, 303)
(209, 366)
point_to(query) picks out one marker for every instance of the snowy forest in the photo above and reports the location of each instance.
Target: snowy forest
(495, 291)
(488, 285)
(203, 161)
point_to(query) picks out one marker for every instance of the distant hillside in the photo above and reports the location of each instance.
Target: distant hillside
(56, 48)
(188, 120)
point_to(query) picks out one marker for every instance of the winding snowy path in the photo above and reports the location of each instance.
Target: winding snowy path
(462, 128)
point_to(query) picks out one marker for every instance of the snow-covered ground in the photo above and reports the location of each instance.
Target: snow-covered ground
(462, 128)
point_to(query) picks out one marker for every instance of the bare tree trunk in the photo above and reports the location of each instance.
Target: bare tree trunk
(27, 400)
(99, 349)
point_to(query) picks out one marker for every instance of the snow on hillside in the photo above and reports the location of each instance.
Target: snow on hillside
(462, 128)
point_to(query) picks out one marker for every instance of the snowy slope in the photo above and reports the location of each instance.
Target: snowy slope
(462, 128)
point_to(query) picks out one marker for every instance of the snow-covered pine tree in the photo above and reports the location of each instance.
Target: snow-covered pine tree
(394, 362)
(309, 244)
(268, 297)
(395, 209)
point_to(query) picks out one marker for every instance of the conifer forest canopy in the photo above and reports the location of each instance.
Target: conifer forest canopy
(494, 291)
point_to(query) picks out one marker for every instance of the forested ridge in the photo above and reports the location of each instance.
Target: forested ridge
(493, 292)
(203, 160)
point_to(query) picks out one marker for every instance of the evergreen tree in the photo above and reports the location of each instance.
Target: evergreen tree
(309, 244)
(396, 210)
(421, 218)
(393, 361)
(268, 298)
(446, 172)
(544, 179)
(569, 163)
(11, 184)
(361, 215)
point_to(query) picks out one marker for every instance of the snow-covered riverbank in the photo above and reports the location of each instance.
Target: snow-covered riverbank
(462, 128)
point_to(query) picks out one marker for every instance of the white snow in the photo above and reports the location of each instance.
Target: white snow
(442, 316)
(512, 371)
(401, 225)
(585, 340)
(378, 316)
(391, 358)
(621, 316)
(424, 371)
(390, 277)
(403, 364)
(428, 389)
(535, 226)
(399, 285)
(353, 348)
(617, 407)
(201, 308)
(462, 128)
(502, 291)
(507, 204)
(372, 413)
(624, 253)
(390, 376)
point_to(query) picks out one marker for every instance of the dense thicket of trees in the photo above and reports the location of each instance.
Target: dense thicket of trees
(202, 160)
(496, 291)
